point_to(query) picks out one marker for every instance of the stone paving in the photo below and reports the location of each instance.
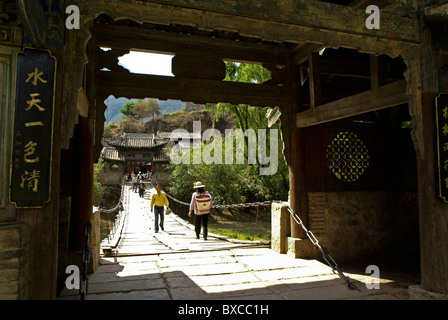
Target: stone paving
(174, 265)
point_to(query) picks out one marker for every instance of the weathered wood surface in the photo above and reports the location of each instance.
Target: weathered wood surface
(432, 211)
(315, 80)
(387, 96)
(122, 37)
(281, 21)
(188, 89)
(314, 14)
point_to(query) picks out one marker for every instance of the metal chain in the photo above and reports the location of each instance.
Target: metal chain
(327, 257)
(176, 200)
(223, 206)
(243, 205)
(85, 262)
(119, 206)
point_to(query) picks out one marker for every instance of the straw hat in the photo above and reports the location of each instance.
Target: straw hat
(198, 185)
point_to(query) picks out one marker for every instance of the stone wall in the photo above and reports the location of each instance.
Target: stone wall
(112, 173)
(14, 262)
(163, 176)
(352, 225)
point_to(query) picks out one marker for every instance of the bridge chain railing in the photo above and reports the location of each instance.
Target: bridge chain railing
(119, 205)
(85, 260)
(120, 218)
(326, 256)
(181, 209)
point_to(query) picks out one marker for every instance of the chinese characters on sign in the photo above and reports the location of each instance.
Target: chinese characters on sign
(442, 144)
(33, 129)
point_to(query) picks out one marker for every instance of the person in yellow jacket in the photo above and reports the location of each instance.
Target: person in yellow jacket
(158, 200)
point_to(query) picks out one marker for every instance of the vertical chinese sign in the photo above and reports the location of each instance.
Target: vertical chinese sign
(33, 129)
(442, 144)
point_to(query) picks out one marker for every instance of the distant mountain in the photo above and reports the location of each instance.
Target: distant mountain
(171, 106)
(114, 106)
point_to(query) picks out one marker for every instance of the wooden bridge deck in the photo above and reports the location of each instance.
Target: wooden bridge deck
(174, 265)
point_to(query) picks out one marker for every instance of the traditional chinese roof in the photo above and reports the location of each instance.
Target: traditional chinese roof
(111, 154)
(125, 147)
(174, 136)
(136, 141)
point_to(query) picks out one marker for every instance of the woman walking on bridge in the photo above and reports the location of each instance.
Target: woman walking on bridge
(201, 203)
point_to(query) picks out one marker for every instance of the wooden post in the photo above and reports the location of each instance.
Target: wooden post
(377, 73)
(315, 83)
(295, 155)
(432, 211)
(43, 223)
(297, 182)
(82, 203)
(82, 209)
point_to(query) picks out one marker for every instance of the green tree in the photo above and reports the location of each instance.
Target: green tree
(146, 108)
(249, 117)
(127, 109)
(223, 181)
(97, 187)
(235, 183)
(245, 116)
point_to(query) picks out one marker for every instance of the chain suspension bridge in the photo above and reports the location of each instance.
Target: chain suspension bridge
(173, 265)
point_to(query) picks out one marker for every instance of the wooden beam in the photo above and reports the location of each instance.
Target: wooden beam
(200, 91)
(301, 53)
(387, 96)
(365, 3)
(268, 29)
(122, 37)
(341, 70)
(437, 13)
(313, 14)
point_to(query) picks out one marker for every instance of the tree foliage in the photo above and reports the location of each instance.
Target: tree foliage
(245, 116)
(135, 113)
(236, 183)
(97, 186)
(147, 108)
(127, 109)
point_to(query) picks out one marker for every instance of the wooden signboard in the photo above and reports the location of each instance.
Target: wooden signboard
(31, 157)
(442, 144)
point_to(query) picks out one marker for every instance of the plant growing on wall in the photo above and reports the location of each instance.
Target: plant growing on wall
(97, 187)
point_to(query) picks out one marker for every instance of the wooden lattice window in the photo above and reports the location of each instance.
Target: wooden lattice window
(348, 157)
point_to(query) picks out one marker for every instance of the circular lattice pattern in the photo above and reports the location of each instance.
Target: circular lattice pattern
(348, 157)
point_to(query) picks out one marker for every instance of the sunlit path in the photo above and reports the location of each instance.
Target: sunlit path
(174, 265)
(139, 238)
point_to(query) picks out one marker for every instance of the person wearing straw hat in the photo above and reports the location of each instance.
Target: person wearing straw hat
(201, 203)
(158, 200)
